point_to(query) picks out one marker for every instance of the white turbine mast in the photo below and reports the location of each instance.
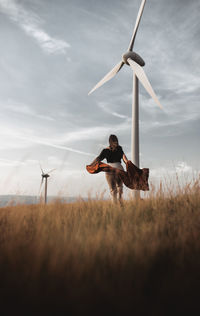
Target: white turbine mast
(136, 63)
(45, 176)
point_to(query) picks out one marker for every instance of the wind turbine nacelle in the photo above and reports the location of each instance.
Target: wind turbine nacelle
(135, 57)
(45, 176)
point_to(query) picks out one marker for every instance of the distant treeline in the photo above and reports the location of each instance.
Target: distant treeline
(6, 200)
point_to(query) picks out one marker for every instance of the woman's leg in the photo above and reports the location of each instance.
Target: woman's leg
(111, 179)
(119, 185)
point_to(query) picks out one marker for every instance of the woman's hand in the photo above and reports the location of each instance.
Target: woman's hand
(95, 161)
(124, 158)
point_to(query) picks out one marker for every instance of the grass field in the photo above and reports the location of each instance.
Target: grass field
(96, 258)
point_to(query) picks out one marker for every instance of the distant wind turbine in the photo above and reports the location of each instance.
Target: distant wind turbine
(136, 63)
(45, 176)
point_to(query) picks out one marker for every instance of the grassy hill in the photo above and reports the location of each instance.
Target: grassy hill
(96, 258)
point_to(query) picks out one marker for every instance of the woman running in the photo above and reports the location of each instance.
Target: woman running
(113, 154)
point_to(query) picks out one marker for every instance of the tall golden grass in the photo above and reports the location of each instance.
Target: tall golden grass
(96, 258)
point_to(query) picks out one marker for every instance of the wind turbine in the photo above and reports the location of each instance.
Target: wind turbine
(45, 176)
(136, 63)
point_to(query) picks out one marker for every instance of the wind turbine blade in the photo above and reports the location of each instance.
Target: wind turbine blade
(40, 185)
(41, 169)
(144, 80)
(51, 171)
(109, 76)
(136, 25)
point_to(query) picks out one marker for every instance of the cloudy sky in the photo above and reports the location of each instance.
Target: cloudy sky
(54, 52)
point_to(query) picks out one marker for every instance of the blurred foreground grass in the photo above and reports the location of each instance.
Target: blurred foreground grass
(96, 258)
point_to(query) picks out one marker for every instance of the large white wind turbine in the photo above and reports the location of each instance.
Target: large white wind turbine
(136, 63)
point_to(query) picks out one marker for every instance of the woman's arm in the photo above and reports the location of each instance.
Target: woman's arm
(124, 158)
(95, 160)
(99, 158)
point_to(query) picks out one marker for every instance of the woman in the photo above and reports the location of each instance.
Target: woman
(113, 154)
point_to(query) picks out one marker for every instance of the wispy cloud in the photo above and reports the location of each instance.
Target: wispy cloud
(10, 163)
(30, 23)
(43, 142)
(105, 107)
(180, 168)
(24, 109)
(17, 163)
(22, 138)
(60, 141)
(91, 133)
(83, 134)
(183, 167)
(26, 136)
(48, 143)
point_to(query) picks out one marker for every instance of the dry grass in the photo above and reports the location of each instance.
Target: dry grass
(97, 258)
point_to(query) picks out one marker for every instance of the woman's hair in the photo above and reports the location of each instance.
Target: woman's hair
(113, 141)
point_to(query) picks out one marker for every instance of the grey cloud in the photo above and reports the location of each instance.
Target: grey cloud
(30, 22)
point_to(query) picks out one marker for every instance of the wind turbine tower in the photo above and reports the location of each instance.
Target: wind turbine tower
(45, 176)
(132, 59)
